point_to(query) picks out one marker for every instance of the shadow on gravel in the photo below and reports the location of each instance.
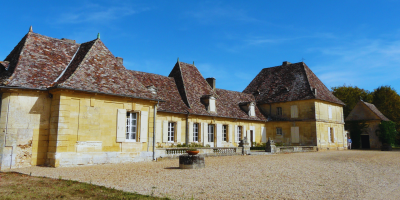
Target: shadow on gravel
(172, 168)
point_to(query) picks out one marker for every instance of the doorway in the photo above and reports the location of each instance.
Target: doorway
(251, 138)
(365, 142)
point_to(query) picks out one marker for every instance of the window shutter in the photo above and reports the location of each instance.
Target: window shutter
(121, 125)
(248, 136)
(244, 131)
(263, 135)
(236, 134)
(144, 125)
(230, 136)
(165, 131)
(159, 131)
(334, 134)
(191, 132)
(205, 133)
(219, 135)
(330, 112)
(178, 131)
(294, 111)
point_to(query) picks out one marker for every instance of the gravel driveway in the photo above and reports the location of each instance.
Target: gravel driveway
(316, 175)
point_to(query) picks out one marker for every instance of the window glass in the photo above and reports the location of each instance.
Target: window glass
(279, 111)
(239, 132)
(210, 133)
(278, 131)
(131, 126)
(171, 131)
(195, 132)
(224, 131)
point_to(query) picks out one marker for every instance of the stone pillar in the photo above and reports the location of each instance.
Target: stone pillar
(270, 147)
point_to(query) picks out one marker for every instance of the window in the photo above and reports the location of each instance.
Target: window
(252, 112)
(211, 105)
(171, 131)
(239, 132)
(210, 133)
(294, 111)
(224, 131)
(195, 132)
(278, 131)
(331, 135)
(279, 111)
(330, 112)
(131, 126)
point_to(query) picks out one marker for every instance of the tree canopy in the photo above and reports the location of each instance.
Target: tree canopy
(350, 95)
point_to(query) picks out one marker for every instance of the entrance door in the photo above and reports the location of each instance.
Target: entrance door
(365, 142)
(251, 138)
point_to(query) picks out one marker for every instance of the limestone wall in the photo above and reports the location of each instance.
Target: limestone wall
(83, 129)
(306, 109)
(24, 123)
(325, 140)
(322, 112)
(203, 121)
(307, 132)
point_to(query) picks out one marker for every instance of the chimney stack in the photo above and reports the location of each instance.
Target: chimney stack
(120, 60)
(211, 82)
(286, 63)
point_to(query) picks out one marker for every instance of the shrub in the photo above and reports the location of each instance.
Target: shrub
(387, 132)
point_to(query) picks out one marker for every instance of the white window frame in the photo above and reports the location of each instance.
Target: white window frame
(211, 131)
(279, 111)
(239, 132)
(279, 131)
(171, 131)
(224, 133)
(195, 132)
(131, 135)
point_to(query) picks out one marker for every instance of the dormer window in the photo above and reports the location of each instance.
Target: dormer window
(209, 102)
(152, 89)
(249, 108)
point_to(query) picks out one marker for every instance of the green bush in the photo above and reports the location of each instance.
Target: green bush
(387, 132)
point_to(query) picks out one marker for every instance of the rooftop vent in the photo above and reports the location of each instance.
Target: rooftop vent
(286, 63)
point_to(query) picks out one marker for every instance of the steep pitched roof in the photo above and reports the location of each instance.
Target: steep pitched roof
(37, 60)
(365, 111)
(291, 82)
(97, 70)
(166, 90)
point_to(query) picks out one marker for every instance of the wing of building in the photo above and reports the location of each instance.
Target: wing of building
(65, 103)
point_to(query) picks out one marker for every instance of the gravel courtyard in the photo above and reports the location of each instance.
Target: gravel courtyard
(316, 175)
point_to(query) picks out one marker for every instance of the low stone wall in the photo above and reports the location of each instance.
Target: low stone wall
(283, 149)
(207, 151)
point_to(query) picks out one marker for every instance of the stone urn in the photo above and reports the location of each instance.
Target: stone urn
(192, 152)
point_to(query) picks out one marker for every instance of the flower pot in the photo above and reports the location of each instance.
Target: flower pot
(192, 152)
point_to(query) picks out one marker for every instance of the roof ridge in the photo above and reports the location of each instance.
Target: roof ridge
(79, 64)
(308, 79)
(150, 73)
(184, 95)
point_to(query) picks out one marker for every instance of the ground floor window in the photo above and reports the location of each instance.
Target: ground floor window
(278, 131)
(210, 133)
(331, 135)
(171, 131)
(239, 132)
(131, 126)
(224, 131)
(195, 132)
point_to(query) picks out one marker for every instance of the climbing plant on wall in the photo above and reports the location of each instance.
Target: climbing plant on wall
(387, 132)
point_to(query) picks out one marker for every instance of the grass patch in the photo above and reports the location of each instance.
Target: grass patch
(20, 186)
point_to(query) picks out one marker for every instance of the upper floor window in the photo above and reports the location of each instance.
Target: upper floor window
(279, 131)
(210, 133)
(131, 126)
(171, 132)
(224, 132)
(211, 105)
(195, 132)
(330, 112)
(279, 111)
(252, 111)
(294, 111)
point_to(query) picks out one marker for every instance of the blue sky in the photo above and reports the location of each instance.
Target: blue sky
(343, 42)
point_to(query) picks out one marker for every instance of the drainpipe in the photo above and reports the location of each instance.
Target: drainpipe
(154, 130)
(187, 128)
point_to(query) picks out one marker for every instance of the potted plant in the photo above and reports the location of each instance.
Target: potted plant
(192, 151)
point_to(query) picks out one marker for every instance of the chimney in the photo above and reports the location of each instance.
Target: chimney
(120, 60)
(211, 82)
(286, 63)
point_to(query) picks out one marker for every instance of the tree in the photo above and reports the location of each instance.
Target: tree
(350, 96)
(387, 132)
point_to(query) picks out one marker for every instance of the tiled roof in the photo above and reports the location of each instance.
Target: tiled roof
(100, 71)
(376, 111)
(166, 90)
(291, 82)
(37, 61)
